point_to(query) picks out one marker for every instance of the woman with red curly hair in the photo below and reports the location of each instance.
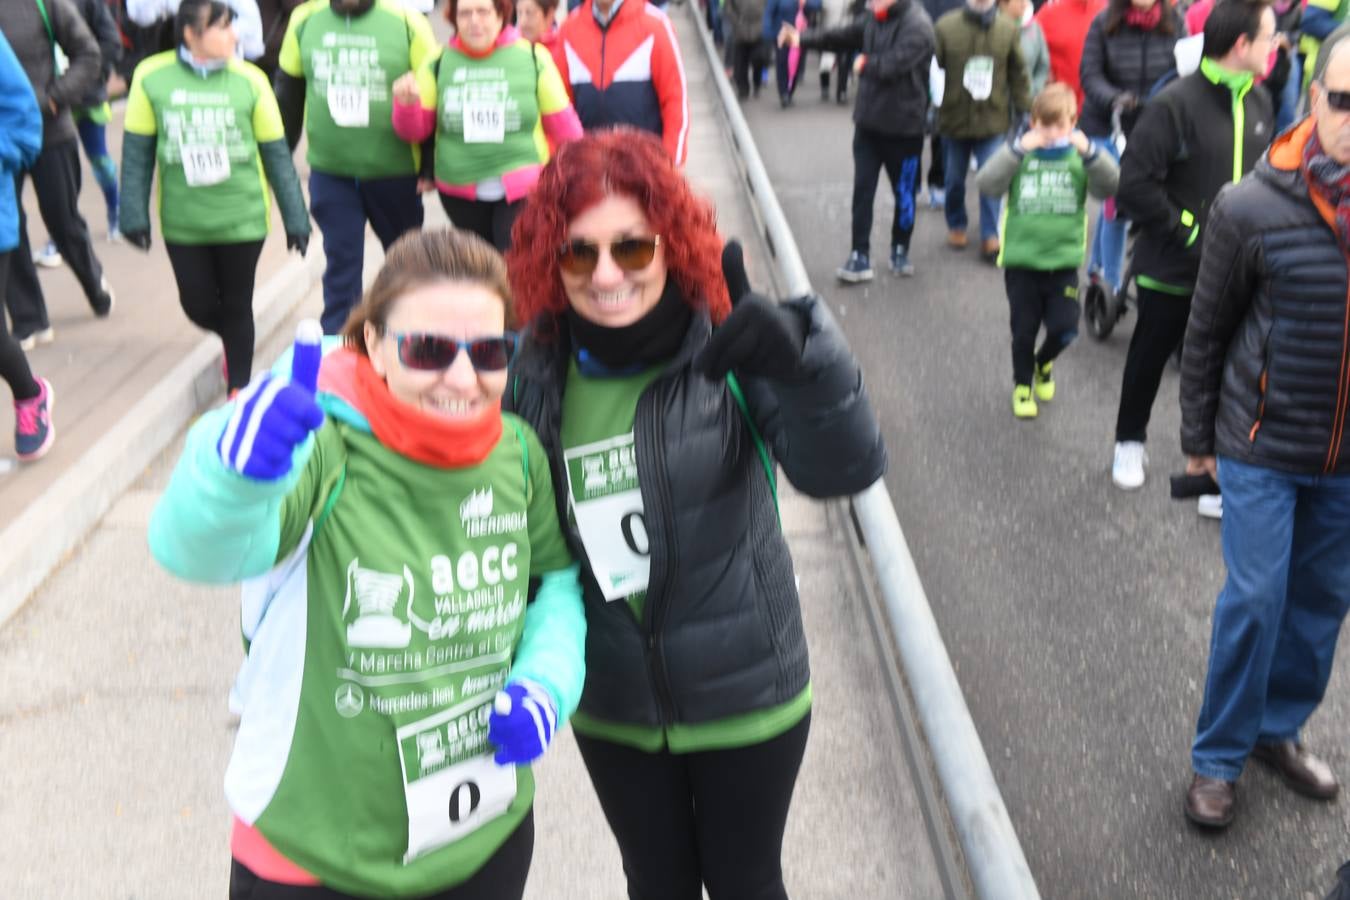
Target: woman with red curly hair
(697, 700)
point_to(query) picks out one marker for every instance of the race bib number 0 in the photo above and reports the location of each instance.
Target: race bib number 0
(978, 77)
(602, 482)
(484, 122)
(446, 802)
(349, 105)
(205, 164)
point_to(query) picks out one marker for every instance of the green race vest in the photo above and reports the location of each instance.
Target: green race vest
(212, 189)
(1045, 217)
(349, 67)
(487, 114)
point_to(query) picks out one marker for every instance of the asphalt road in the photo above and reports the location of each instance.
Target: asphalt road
(1077, 615)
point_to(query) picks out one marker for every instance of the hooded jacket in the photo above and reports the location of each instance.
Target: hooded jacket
(721, 633)
(893, 84)
(1265, 371)
(1194, 137)
(22, 24)
(963, 40)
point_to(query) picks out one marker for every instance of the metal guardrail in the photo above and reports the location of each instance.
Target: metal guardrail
(994, 859)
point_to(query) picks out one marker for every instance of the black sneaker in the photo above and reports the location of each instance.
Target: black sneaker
(856, 269)
(103, 307)
(900, 263)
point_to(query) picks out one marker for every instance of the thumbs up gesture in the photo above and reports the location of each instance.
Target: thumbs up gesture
(273, 416)
(522, 722)
(759, 338)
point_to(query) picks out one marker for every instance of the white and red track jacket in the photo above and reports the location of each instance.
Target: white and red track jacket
(628, 73)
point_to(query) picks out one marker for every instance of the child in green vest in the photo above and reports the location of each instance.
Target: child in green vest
(1047, 174)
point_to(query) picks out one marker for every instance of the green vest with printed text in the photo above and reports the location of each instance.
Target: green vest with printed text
(1045, 217)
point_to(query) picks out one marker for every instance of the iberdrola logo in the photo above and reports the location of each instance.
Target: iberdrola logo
(478, 505)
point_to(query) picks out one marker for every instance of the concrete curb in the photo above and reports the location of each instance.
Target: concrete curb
(38, 540)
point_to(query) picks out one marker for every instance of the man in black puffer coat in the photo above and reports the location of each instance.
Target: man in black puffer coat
(894, 42)
(1265, 390)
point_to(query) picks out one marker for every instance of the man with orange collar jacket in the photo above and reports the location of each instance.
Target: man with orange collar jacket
(1265, 377)
(622, 66)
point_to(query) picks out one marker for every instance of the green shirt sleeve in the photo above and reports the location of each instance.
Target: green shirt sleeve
(140, 115)
(267, 124)
(424, 48)
(288, 60)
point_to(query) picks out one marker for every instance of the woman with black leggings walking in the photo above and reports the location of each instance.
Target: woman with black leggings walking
(211, 122)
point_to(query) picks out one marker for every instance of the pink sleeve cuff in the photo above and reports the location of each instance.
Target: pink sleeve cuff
(562, 125)
(413, 122)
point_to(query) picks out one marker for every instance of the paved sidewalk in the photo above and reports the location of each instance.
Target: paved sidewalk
(114, 731)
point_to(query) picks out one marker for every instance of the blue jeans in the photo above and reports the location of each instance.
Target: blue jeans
(341, 207)
(956, 166)
(1108, 242)
(1287, 103)
(93, 139)
(1279, 612)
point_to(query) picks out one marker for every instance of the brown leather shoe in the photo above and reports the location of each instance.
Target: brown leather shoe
(1210, 801)
(956, 240)
(1301, 771)
(989, 248)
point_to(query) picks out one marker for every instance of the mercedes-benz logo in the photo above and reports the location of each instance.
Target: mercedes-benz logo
(349, 700)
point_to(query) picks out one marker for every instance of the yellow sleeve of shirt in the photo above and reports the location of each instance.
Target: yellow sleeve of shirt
(140, 115)
(1329, 5)
(289, 58)
(426, 83)
(424, 48)
(267, 125)
(552, 92)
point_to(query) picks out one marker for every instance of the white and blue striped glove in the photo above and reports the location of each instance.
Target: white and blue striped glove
(273, 416)
(522, 722)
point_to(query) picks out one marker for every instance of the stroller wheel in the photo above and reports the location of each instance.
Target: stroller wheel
(1101, 308)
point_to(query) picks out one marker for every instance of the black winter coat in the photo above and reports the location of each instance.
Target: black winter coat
(1265, 373)
(722, 629)
(1128, 62)
(104, 28)
(893, 85)
(1180, 154)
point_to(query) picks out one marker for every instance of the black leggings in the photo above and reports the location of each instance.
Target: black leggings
(13, 364)
(1158, 332)
(215, 288)
(501, 878)
(491, 220)
(714, 818)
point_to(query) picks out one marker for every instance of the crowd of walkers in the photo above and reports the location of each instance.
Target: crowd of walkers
(537, 458)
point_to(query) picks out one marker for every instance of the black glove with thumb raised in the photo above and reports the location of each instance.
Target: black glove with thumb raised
(759, 338)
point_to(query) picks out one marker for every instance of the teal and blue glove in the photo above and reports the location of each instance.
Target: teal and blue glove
(273, 416)
(522, 722)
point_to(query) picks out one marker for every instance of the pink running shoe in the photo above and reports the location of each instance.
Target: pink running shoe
(33, 430)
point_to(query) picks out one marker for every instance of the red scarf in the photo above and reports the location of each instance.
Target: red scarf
(1330, 181)
(429, 439)
(1145, 19)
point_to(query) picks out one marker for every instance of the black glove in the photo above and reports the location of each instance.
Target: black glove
(759, 338)
(139, 239)
(297, 242)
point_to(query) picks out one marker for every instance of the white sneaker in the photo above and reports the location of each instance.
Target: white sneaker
(48, 257)
(1127, 469)
(45, 336)
(1210, 506)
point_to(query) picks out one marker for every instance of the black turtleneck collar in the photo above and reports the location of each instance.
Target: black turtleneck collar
(362, 7)
(651, 340)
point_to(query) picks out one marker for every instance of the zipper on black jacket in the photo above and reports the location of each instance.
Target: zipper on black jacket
(656, 501)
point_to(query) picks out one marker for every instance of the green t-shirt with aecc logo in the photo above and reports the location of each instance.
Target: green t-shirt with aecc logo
(349, 66)
(605, 505)
(400, 597)
(1045, 217)
(207, 128)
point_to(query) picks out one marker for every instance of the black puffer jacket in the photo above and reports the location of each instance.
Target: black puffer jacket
(722, 629)
(1130, 61)
(893, 85)
(1179, 155)
(1265, 373)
